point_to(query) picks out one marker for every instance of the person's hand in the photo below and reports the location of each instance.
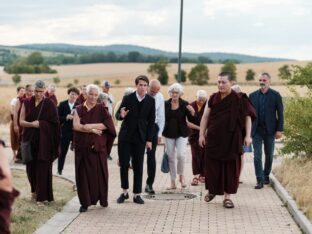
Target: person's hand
(159, 140)
(69, 117)
(96, 131)
(101, 127)
(36, 123)
(278, 135)
(247, 141)
(190, 109)
(16, 129)
(123, 112)
(201, 141)
(148, 145)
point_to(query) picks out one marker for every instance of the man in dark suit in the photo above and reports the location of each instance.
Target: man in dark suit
(137, 110)
(266, 128)
(65, 112)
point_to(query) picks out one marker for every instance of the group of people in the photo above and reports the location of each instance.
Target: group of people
(216, 129)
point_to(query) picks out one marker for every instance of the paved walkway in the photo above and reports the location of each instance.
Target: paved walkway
(256, 211)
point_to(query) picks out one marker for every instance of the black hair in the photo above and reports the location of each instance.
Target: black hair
(19, 88)
(227, 74)
(73, 89)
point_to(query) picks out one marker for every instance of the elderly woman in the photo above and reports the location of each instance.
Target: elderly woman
(93, 125)
(176, 132)
(41, 125)
(226, 115)
(197, 151)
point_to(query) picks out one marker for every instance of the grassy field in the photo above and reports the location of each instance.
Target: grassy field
(296, 176)
(27, 216)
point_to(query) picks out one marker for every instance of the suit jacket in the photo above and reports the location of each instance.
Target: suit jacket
(137, 123)
(66, 125)
(274, 117)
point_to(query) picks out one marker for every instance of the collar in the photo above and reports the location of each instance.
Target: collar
(139, 97)
(86, 106)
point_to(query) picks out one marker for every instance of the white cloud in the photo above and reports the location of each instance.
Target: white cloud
(258, 24)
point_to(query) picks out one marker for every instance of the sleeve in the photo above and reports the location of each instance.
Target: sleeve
(280, 113)
(151, 121)
(161, 115)
(62, 115)
(123, 104)
(13, 102)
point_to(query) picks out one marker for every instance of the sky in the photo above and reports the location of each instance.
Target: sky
(270, 28)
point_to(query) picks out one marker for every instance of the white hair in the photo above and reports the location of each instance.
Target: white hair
(201, 93)
(128, 91)
(103, 96)
(236, 88)
(93, 86)
(51, 86)
(176, 87)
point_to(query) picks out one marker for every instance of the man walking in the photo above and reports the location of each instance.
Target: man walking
(266, 128)
(153, 90)
(137, 110)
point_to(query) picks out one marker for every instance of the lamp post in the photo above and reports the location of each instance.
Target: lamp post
(180, 42)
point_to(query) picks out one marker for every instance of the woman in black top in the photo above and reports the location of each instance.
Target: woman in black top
(176, 132)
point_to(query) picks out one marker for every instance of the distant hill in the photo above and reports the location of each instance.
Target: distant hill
(125, 49)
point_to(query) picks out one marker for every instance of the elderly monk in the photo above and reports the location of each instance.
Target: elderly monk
(41, 125)
(226, 116)
(94, 132)
(7, 192)
(197, 151)
(50, 93)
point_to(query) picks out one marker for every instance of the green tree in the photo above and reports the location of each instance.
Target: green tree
(301, 75)
(250, 75)
(199, 75)
(97, 82)
(56, 80)
(76, 81)
(231, 68)
(183, 76)
(284, 72)
(160, 68)
(35, 58)
(16, 79)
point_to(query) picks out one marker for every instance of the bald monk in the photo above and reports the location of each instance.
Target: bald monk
(7, 192)
(93, 136)
(44, 135)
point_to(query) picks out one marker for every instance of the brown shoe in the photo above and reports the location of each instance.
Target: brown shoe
(227, 203)
(209, 197)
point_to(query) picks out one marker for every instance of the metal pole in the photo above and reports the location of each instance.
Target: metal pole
(180, 42)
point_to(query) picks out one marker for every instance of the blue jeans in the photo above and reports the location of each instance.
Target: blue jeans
(268, 140)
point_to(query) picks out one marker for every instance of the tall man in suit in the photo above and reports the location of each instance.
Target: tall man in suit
(65, 112)
(137, 110)
(266, 128)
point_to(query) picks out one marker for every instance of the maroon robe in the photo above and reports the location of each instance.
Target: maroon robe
(198, 153)
(6, 202)
(45, 142)
(91, 153)
(80, 100)
(51, 97)
(224, 141)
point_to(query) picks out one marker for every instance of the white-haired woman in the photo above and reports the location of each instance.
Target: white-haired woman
(194, 125)
(176, 132)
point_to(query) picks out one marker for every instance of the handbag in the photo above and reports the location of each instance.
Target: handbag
(26, 151)
(165, 162)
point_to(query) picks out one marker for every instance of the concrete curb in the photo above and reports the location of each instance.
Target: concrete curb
(299, 217)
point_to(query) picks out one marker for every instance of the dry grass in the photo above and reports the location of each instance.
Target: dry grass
(27, 216)
(296, 176)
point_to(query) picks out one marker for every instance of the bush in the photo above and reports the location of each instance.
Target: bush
(69, 85)
(250, 75)
(183, 76)
(231, 68)
(117, 82)
(76, 81)
(199, 75)
(97, 82)
(160, 68)
(16, 79)
(56, 80)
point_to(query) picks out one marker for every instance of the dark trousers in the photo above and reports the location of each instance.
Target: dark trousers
(151, 160)
(135, 151)
(65, 142)
(261, 137)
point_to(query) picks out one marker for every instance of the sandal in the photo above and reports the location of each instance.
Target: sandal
(171, 188)
(202, 179)
(209, 197)
(227, 203)
(195, 181)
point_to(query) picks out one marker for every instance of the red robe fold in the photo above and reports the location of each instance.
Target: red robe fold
(45, 142)
(91, 153)
(224, 142)
(51, 97)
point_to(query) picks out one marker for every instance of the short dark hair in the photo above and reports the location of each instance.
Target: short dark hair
(266, 74)
(73, 89)
(19, 88)
(28, 85)
(227, 74)
(141, 77)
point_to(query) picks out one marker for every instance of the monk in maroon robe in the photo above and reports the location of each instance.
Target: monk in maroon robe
(83, 95)
(50, 93)
(224, 119)
(197, 151)
(7, 192)
(44, 135)
(93, 138)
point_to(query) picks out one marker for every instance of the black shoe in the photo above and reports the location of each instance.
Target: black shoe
(83, 209)
(149, 189)
(122, 198)
(138, 200)
(266, 181)
(259, 185)
(110, 157)
(59, 172)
